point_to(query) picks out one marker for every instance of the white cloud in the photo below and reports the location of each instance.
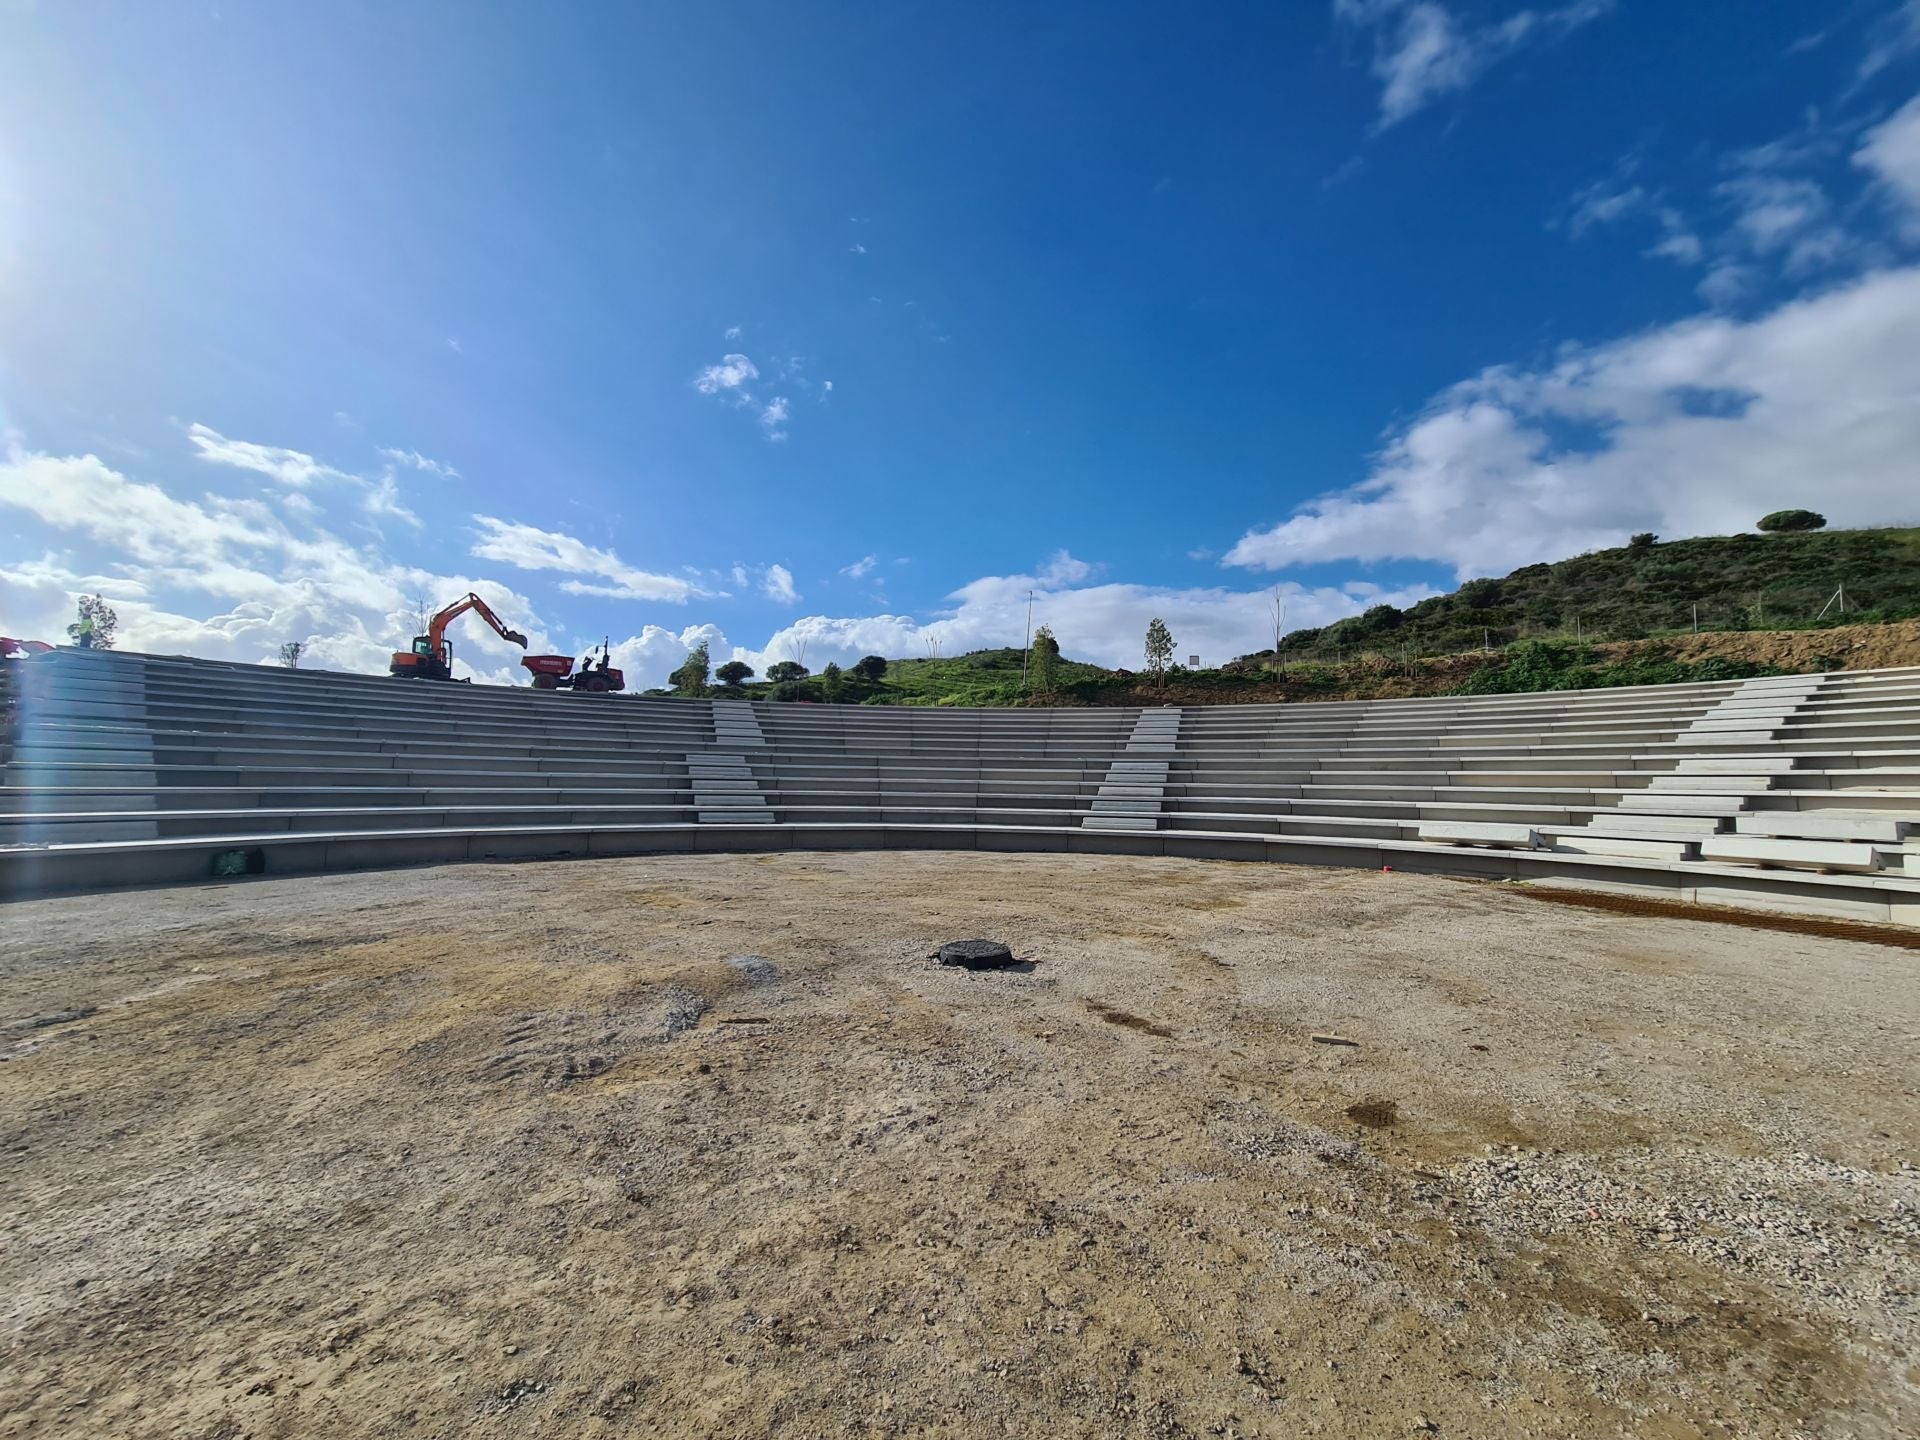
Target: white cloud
(774, 417)
(1422, 51)
(655, 653)
(418, 461)
(1772, 209)
(531, 548)
(1894, 37)
(1891, 152)
(1726, 283)
(856, 249)
(349, 604)
(1678, 243)
(289, 467)
(383, 498)
(1602, 204)
(860, 567)
(732, 333)
(1105, 624)
(778, 585)
(730, 375)
(1694, 428)
(1062, 569)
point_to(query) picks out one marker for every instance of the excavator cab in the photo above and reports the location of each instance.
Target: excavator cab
(431, 655)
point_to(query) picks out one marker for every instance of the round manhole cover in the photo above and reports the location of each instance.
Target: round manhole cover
(974, 954)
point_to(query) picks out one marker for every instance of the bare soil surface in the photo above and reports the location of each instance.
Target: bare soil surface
(705, 1145)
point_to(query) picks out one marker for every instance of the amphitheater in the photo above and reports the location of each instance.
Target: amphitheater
(1789, 792)
(327, 1111)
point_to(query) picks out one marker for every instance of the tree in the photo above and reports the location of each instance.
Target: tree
(290, 654)
(1159, 650)
(734, 674)
(871, 668)
(784, 672)
(1643, 541)
(833, 682)
(691, 678)
(1046, 661)
(94, 627)
(1781, 522)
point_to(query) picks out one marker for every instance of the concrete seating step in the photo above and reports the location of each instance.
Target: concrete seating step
(1798, 854)
(1582, 842)
(1459, 833)
(1862, 826)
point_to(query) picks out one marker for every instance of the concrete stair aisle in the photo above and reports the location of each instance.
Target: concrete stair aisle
(726, 791)
(1133, 793)
(735, 726)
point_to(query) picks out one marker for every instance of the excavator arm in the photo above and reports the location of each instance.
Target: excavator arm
(437, 627)
(431, 657)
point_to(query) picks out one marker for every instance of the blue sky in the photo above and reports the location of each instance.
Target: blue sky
(845, 326)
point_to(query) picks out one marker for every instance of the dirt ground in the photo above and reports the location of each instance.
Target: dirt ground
(1855, 647)
(704, 1145)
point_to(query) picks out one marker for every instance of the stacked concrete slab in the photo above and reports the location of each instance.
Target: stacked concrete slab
(1801, 791)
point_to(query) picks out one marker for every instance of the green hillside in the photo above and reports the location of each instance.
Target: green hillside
(1541, 624)
(1738, 582)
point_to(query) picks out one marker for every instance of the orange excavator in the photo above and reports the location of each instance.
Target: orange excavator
(431, 657)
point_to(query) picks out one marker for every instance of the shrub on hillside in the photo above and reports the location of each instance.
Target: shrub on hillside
(1782, 522)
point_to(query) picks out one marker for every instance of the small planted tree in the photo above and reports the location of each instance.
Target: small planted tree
(1643, 541)
(1159, 650)
(93, 627)
(785, 672)
(290, 654)
(734, 674)
(871, 668)
(833, 683)
(691, 678)
(1046, 661)
(1783, 522)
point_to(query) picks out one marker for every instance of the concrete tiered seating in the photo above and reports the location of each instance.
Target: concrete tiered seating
(1802, 792)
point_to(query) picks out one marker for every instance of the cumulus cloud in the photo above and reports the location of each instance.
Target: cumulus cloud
(730, 375)
(778, 585)
(1693, 428)
(655, 653)
(1422, 51)
(1106, 624)
(774, 418)
(1890, 151)
(253, 581)
(1062, 569)
(732, 333)
(531, 548)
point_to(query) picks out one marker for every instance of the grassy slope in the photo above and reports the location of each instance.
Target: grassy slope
(1740, 582)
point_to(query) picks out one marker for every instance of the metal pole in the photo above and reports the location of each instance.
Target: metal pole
(1026, 646)
(1696, 617)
